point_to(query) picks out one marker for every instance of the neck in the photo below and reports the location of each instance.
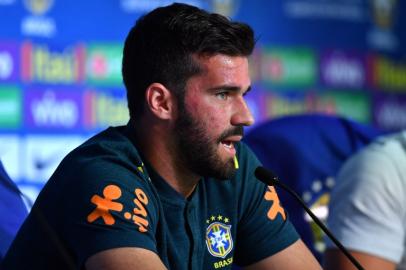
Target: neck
(158, 147)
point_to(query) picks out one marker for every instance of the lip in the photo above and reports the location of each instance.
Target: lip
(233, 139)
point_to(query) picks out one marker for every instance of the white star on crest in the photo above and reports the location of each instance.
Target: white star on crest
(219, 239)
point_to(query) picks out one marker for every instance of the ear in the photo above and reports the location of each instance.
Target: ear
(160, 101)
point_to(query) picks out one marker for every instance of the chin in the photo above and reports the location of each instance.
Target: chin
(226, 171)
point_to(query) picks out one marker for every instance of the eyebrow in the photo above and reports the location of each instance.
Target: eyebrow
(231, 88)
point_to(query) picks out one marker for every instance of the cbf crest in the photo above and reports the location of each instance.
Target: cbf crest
(218, 239)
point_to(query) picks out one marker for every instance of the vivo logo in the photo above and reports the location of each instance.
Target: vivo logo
(38, 26)
(347, 72)
(392, 115)
(48, 111)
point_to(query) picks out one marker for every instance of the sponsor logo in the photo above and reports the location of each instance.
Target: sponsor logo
(387, 74)
(38, 7)
(289, 67)
(148, 5)
(355, 105)
(107, 203)
(219, 240)
(390, 112)
(384, 16)
(103, 64)
(339, 69)
(383, 12)
(276, 208)
(296, 103)
(10, 107)
(53, 108)
(139, 213)
(8, 62)
(37, 24)
(42, 154)
(40, 63)
(103, 109)
(227, 8)
(352, 11)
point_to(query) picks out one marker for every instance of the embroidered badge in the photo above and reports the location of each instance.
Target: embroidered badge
(218, 238)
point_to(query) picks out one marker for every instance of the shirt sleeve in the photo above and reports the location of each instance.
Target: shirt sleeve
(367, 207)
(264, 228)
(108, 207)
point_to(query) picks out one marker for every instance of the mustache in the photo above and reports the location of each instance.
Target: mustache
(238, 130)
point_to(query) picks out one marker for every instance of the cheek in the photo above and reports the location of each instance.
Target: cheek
(216, 119)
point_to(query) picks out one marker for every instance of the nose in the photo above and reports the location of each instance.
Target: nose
(242, 115)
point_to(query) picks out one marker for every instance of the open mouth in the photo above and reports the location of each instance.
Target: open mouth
(229, 148)
(228, 144)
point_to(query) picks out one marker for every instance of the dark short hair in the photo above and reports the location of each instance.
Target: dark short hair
(161, 45)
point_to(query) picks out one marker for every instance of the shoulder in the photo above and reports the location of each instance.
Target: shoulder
(374, 179)
(383, 159)
(110, 152)
(393, 145)
(370, 189)
(107, 163)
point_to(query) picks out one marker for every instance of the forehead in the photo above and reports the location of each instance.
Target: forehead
(223, 70)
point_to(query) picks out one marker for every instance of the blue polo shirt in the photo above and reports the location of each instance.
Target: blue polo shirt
(103, 196)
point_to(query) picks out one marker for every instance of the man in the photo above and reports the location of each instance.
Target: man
(367, 207)
(175, 188)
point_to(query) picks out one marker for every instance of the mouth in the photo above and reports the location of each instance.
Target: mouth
(229, 144)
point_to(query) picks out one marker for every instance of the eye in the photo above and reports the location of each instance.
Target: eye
(222, 95)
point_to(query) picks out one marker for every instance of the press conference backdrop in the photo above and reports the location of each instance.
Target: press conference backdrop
(60, 63)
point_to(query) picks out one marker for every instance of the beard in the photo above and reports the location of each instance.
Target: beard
(198, 152)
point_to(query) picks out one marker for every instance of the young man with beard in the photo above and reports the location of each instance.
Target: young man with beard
(175, 188)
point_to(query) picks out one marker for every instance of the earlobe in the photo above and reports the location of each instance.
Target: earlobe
(159, 100)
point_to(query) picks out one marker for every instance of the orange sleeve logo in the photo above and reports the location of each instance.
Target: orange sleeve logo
(105, 205)
(140, 214)
(276, 208)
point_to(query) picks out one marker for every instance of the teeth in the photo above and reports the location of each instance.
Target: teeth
(228, 145)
